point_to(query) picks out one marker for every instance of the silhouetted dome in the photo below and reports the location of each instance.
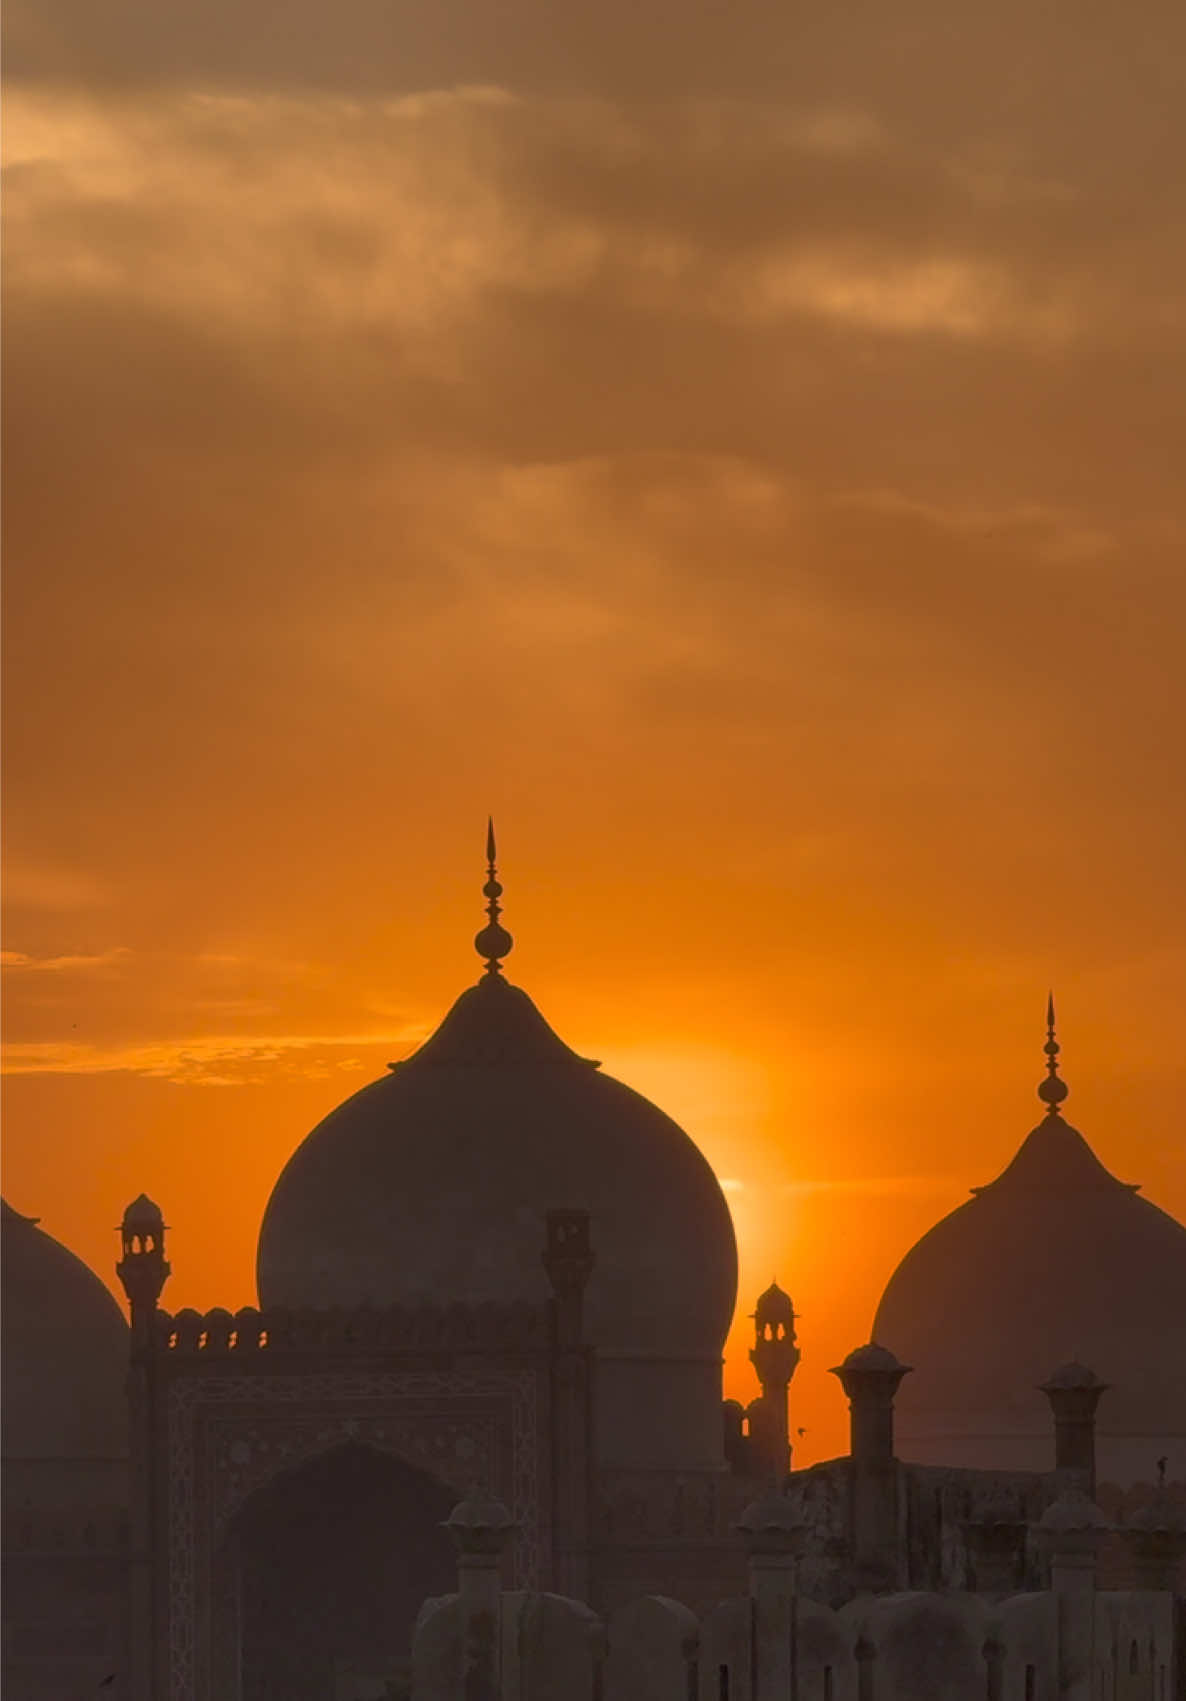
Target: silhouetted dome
(774, 1306)
(143, 1217)
(1055, 1261)
(873, 1356)
(65, 1352)
(1071, 1512)
(433, 1183)
(1072, 1376)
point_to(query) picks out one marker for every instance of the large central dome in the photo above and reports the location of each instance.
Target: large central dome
(433, 1185)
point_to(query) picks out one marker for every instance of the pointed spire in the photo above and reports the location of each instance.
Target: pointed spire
(1053, 1090)
(493, 942)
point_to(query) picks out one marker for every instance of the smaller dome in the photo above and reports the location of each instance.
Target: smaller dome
(1072, 1512)
(143, 1217)
(65, 1352)
(774, 1306)
(1161, 1514)
(1073, 1375)
(872, 1357)
(480, 1525)
(773, 1522)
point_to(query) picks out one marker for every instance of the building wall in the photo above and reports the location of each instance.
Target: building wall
(65, 1611)
(658, 1413)
(993, 1441)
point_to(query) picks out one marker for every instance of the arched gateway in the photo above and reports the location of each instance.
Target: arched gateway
(328, 1564)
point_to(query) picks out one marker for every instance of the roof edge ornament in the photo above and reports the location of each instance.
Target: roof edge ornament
(1053, 1090)
(493, 942)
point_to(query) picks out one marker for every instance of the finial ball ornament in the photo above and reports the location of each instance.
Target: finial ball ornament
(1053, 1090)
(493, 941)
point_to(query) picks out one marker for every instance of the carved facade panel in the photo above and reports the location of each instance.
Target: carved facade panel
(228, 1436)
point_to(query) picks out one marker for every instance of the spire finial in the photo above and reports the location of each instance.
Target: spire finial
(1053, 1090)
(493, 942)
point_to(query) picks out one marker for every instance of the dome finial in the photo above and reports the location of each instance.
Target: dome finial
(1053, 1090)
(494, 941)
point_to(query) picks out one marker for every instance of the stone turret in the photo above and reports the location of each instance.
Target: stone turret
(775, 1357)
(1156, 1538)
(870, 1377)
(143, 1269)
(1074, 1393)
(772, 1529)
(481, 1528)
(1070, 1533)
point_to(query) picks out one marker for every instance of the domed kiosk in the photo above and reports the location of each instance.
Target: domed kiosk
(65, 1446)
(433, 1184)
(1054, 1260)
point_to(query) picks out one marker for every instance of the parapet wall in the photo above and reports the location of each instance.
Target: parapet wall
(429, 1328)
(1069, 1642)
(901, 1647)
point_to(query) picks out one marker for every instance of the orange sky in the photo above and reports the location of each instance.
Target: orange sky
(741, 448)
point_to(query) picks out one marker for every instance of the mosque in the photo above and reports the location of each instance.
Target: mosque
(497, 1271)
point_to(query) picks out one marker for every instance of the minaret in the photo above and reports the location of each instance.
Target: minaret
(142, 1269)
(775, 1357)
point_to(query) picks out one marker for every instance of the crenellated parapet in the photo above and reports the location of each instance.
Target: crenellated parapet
(772, 1643)
(277, 1330)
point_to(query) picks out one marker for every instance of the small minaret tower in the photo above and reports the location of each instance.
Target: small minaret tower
(775, 1357)
(143, 1269)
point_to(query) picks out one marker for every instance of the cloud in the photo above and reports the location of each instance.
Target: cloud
(34, 886)
(78, 964)
(1045, 532)
(1013, 68)
(214, 1017)
(410, 217)
(211, 1060)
